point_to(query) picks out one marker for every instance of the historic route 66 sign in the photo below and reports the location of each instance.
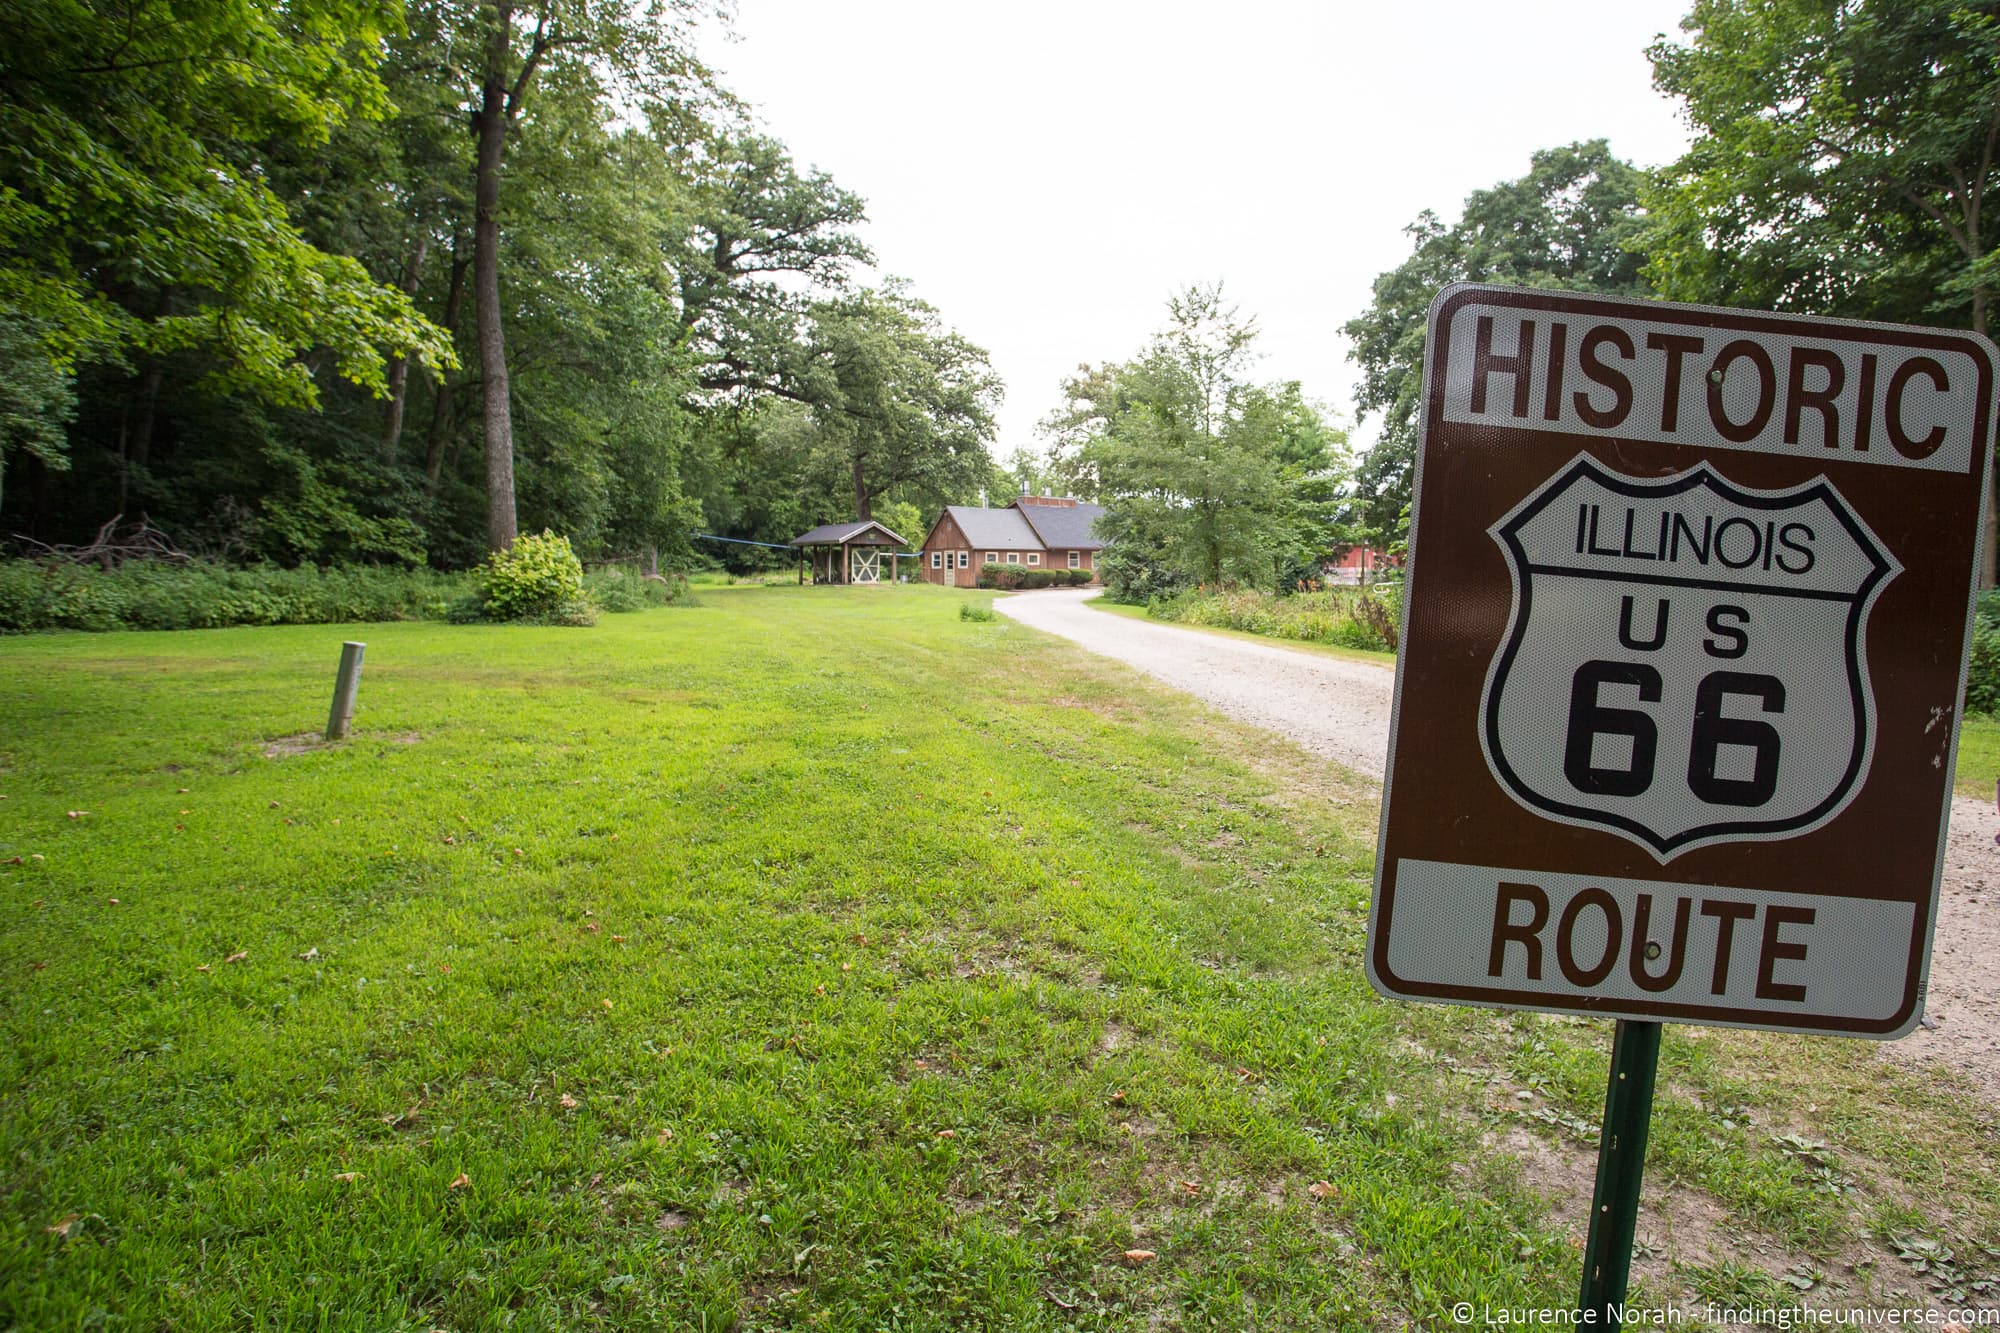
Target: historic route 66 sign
(1740, 615)
(1683, 648)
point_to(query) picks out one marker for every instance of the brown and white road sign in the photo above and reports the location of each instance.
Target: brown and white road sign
(1683, 647)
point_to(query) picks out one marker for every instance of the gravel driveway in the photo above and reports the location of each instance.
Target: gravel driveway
(1340, 709)
(1333, 707)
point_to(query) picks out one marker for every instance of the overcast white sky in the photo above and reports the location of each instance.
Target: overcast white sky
(1046, 172)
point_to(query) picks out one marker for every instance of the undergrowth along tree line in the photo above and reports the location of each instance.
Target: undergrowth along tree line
(167, 595)
(1361, 618)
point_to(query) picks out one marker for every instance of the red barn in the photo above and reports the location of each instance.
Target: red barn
(1359, 564)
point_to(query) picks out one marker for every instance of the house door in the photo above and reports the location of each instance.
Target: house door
(950, 573)
(867, 565)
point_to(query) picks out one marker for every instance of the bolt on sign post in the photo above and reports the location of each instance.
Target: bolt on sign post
(1683, 649)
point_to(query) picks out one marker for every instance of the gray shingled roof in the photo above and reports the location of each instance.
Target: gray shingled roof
(1065, 526)
(994, 529)
(838, 534)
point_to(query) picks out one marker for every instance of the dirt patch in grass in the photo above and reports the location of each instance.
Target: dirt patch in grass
(1108, 706)
(307, 742)
(1686, 1237)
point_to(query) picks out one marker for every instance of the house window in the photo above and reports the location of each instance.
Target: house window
(992, 557)
(1013, 557)
(964, 559)
(1076, 560)
(937, 559)
(1034, 557)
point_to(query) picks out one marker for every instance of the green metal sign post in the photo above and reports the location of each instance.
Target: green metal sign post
(1681, 616)
(1621, 1164)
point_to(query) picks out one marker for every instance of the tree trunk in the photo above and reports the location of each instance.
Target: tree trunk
(149, 401)
(491, 123)
(399, 367)
(135, 438)
(442, 415)
(863, 510)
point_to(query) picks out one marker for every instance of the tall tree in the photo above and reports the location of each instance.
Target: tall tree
(762, 242)
(1842, 159)
(637, 50)
(1570, 223)
(901, 401)
(1207, 475)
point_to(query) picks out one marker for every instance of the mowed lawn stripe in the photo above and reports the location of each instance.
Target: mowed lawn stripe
(809, 958)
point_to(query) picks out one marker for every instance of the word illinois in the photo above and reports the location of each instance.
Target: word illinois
(1671, 537)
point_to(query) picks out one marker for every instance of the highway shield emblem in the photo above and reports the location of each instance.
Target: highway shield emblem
(1686, 660)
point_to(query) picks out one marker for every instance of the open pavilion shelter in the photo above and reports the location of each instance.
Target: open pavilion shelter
(850, 553)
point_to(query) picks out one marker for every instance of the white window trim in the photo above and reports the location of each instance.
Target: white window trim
(965, 559)
(1034, 557)
(1076, 560)
(937, 559)
(1013, 557)
(992, 557)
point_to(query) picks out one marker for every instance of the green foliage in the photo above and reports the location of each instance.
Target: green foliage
(1840, 159)
(535, 577)
(620, 590)
(900, 402)
(37, 398)
(904, 519)
(1343, 617)
(1982, 674)
(979, 611)
(761, 235)
(237, 211)
(137, 220)
(306, 515)
(1573, 222)
(1010, 578)
(1139, 569)
(1203, 473)
(37, 596)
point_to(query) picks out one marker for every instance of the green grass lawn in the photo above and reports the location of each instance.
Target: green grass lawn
(805, 959)
(1978, 757)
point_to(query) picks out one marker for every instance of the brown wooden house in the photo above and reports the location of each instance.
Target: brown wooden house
(1039, 531)
(863, 552)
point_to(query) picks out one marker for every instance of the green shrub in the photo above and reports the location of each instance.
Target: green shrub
(1982, 670)
(535, 578)
(1982, 673)
(1011, 578)
(198, 595)
(1139, 573)
(580, 612)
(977, 611)
(614, 589)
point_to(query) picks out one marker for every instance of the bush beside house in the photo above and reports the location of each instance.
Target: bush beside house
(1025, 578)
